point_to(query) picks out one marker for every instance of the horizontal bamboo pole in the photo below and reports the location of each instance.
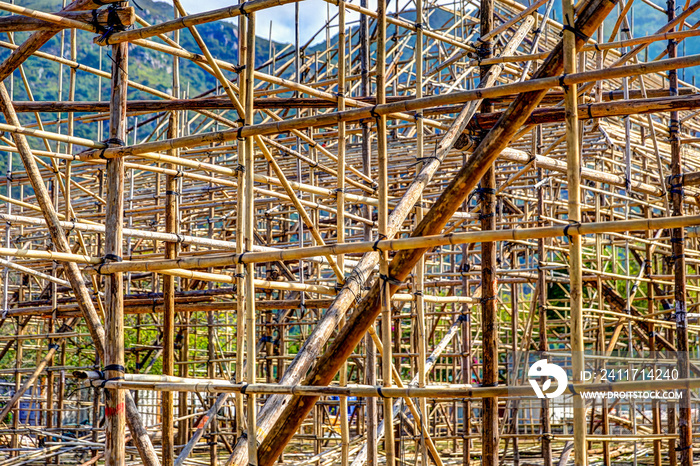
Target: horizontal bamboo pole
(451, 391)
(17, 23)
(52, 136)
(71, 310)
(404, 243)
(144, 234)
(49, 255)
(598, 110)
(62, 21)
(362, 113)
(21, 268)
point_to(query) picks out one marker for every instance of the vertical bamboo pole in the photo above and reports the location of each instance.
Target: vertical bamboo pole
(371, 351)
(240, 243)
(382, 215)
(114, 296)
(546, 428)
(601, 324)
(421, 339)
(573, 158)
(490, 433)
(171, 215)
(515, 317)
(171, 207)
(340, 223)
(685, 425)
(249, 172)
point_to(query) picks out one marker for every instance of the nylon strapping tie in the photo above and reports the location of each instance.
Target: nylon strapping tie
(676, 188)
(238, 133)
(114, 141)
(390, 280)
(377, 117)
(375, 246)
(107, 258)
(566, 229)
(577, 32)
(562, 84)
(114, 367)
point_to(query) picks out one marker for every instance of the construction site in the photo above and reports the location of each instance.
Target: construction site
(426, 233)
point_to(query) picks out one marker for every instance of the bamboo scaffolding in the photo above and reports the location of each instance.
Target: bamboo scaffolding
(279, 198)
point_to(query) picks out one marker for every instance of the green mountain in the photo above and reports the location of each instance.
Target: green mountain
(153, 69)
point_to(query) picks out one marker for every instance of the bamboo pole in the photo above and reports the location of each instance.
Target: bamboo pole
(114, 293)
(249, 212)
(439, 391)
(591, 15)
(193, 20)
(97, 332)
(38, 39)
(685, 423)
(573, 160)
(534, 85)
(489, 286)
(340, 222)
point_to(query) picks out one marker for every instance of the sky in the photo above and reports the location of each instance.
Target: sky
(313, 15)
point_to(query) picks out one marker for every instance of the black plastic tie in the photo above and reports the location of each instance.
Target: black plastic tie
(566, 229)
(391, 280)
(375, 246)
